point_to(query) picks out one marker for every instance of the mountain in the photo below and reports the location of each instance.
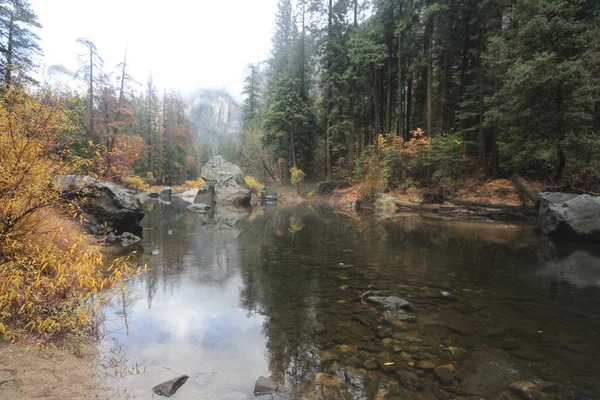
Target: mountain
(214, 115)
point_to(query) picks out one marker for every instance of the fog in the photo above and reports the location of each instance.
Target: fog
(185, 44)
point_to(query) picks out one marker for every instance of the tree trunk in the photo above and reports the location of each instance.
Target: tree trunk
(429, 72)
(562, 162)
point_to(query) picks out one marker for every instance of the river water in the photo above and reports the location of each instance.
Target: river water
(277, 292)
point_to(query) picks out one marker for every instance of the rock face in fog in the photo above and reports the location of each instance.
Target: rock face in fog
(565, 213)
(224, 184)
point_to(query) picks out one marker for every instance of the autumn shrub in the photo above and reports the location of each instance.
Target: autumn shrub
(135, 182)
(198, 183)
(254, 184)
(50, 274)
(296, 176)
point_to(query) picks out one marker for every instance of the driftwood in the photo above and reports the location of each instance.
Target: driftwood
(526, 191)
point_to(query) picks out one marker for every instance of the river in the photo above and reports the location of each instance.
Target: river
(277, 292)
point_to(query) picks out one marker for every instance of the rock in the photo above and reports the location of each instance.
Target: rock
(408, 379)
(532, 390)
(169, 388)
(103, 204)
(264, 386)
(370, 364)
(325, 188)
(269, 198)
(154, 253)
(568, 214)
(201, 208)
(219, 171)
(189, 195)
(224, 184)
(243, 201)
(457, 322)
(390, 302)
(445, 373)
(164, 193)
(127, 239)
(398, 318)
(384, 332)
(426, 365)
(487, 372)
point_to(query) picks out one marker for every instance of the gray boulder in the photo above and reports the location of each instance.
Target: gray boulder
(564, 213)
(224, 184)
(103, 203)
(220, 171)
(169, 388)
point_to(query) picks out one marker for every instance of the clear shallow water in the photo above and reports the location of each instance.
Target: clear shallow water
(232, 297)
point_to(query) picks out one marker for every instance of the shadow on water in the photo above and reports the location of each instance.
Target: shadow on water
(276, 292)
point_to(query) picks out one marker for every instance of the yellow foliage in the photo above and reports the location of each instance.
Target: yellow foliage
(49, 271)
(135, 182)
(197, 184)
(296, 176)
(254, 184)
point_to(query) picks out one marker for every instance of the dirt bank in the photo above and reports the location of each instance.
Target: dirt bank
(50, 374)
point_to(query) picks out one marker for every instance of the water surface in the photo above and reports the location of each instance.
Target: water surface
(276, 292)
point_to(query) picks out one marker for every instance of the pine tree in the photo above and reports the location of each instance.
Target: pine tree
(18, 42)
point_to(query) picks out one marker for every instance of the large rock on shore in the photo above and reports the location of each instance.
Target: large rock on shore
(568, 214)
(224, 184)
(104, 204)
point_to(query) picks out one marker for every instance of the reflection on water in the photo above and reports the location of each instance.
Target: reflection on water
(276, 293)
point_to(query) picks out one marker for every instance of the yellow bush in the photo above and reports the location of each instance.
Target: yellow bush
(49, 273)
(197, 184)
(296, 176)
(135, 182)
(254, 184)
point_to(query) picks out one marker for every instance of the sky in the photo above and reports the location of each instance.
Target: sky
(186, 44)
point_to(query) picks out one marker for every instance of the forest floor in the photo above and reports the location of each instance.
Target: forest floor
(54, 373)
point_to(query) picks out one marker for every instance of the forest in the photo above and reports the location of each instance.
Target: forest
(428, 92)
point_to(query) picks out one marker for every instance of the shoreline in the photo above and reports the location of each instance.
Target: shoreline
(56, 372)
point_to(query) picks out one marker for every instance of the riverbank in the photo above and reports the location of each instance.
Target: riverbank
(497, 200)
(59, 372)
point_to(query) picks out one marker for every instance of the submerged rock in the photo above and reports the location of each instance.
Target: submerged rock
(169, 388)
(445, 373)
(390, 302)
(565, 213)
(264, 386)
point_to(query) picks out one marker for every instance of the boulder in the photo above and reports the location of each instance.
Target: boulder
(264, 386)
(164, 193)
(220, 172)
(169, 388)
(565, 213)
(104, 204)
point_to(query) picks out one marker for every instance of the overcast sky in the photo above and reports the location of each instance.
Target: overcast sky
(187, 44)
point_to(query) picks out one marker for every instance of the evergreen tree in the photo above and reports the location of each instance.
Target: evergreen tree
(18, 40)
